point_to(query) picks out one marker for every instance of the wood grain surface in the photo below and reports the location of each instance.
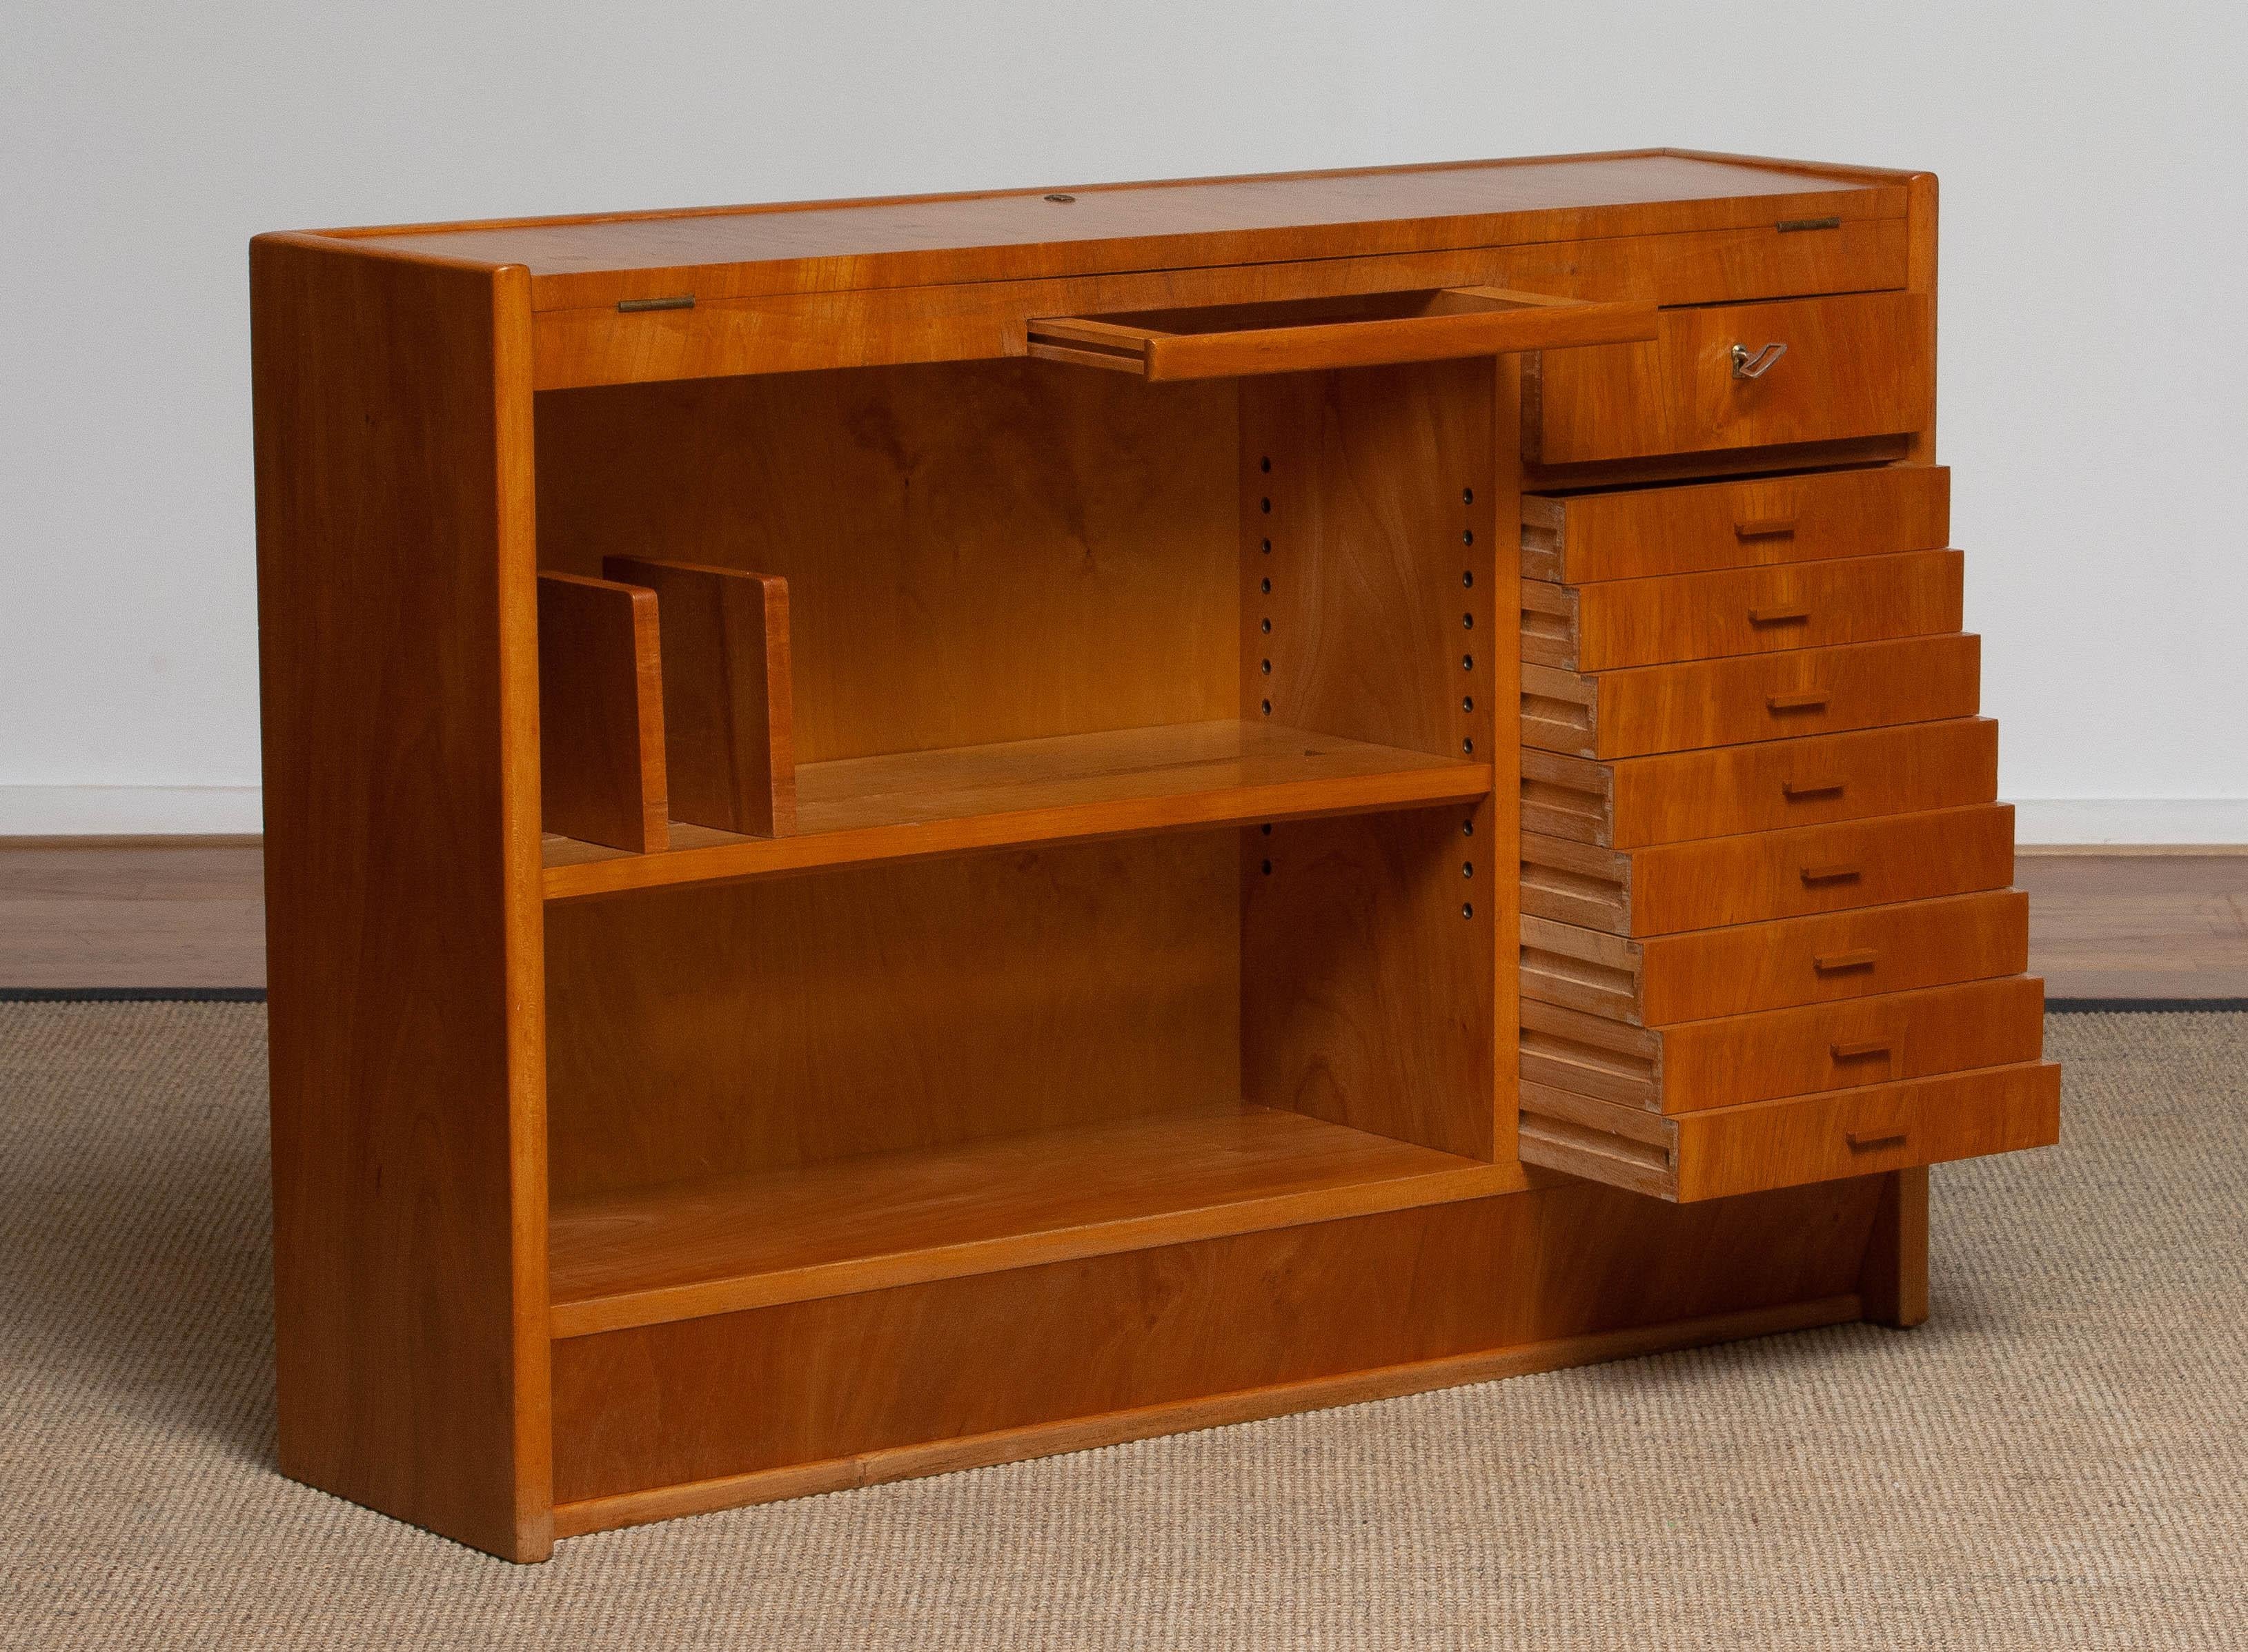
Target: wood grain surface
(1693, 527)
(397, 612)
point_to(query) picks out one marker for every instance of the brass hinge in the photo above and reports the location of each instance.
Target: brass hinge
(677, 301)
(1788, 224)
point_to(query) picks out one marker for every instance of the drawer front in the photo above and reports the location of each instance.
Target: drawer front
(1640, 533)
(1701, 616)
(1750, 697)
(1705, 973)
(1637, 801)
(1699, 1065)
(1833, 368)
(1763, 875)
(1826, 1137)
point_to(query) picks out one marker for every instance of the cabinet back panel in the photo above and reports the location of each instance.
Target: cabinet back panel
(706, 1031)
(976, 553)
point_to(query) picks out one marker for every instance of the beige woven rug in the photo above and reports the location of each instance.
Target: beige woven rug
(2060, 1459)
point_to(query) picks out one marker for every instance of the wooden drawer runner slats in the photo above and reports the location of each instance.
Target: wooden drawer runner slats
(1668, 799)
(1715, 703)
(1761, 1145)
(1616, 623)
(1771, 966)
(1697, 1065)
(1768, 875)
(1637, 533)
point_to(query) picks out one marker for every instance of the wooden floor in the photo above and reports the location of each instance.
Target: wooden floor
(146, 914)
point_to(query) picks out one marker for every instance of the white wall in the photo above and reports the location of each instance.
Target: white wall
(2094, 355)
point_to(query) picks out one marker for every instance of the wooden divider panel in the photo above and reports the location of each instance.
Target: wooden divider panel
(1367, 974)
(729, 725)
(1371, 992)
(600, 713)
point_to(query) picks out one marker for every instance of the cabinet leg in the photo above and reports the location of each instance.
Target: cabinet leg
(1893, 1283)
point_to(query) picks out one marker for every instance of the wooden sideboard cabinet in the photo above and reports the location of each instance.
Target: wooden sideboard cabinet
(912, 833)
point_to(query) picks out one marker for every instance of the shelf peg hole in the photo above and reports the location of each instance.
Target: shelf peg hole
(1268, 708)
(1467, 535)
(1265, 666)
(1267, 547)
(1467, 828)
(1268, 868)
(1266, 626)
(1467, 622)
(1467, 908)
(1467, 703)
(1467, 868)
(1265, 585)
(1467, 578)
(1467, 662)
(1466, 746)
(1265, 505)
(1264, 464)
(1266, 828)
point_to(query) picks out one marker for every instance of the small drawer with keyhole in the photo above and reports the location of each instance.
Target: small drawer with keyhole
(1848, 367)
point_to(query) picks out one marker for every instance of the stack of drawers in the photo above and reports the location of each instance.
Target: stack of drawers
(1767, 937)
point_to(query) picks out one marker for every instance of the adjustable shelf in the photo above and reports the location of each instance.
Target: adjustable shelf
(721, 1244)
(910, 804)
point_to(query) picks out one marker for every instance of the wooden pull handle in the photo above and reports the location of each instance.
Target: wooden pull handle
(1810, 788)
(1834, 872)
(1864, 1049)
(1867, 1141)
(1777, 702)
(1765, 528)
(1779, 616)
(1834, 963)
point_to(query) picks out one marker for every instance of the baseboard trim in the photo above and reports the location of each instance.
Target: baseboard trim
(132, 995)
(130, 811)
(2143, 1007)
(2090, 825)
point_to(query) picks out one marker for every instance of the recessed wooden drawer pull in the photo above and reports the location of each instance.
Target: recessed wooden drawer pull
(1835, 962)
(1811, 788)
(1866, 1141)
(1778, 703)
(1765, 528)
(1779, 616)
(1864, 1049)
(1832, 872)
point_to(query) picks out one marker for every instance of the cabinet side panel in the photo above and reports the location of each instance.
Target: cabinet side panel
(1371, 608)
(396, 605)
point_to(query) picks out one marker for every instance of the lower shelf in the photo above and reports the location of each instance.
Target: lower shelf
(1072, 787)
(693, 1249)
